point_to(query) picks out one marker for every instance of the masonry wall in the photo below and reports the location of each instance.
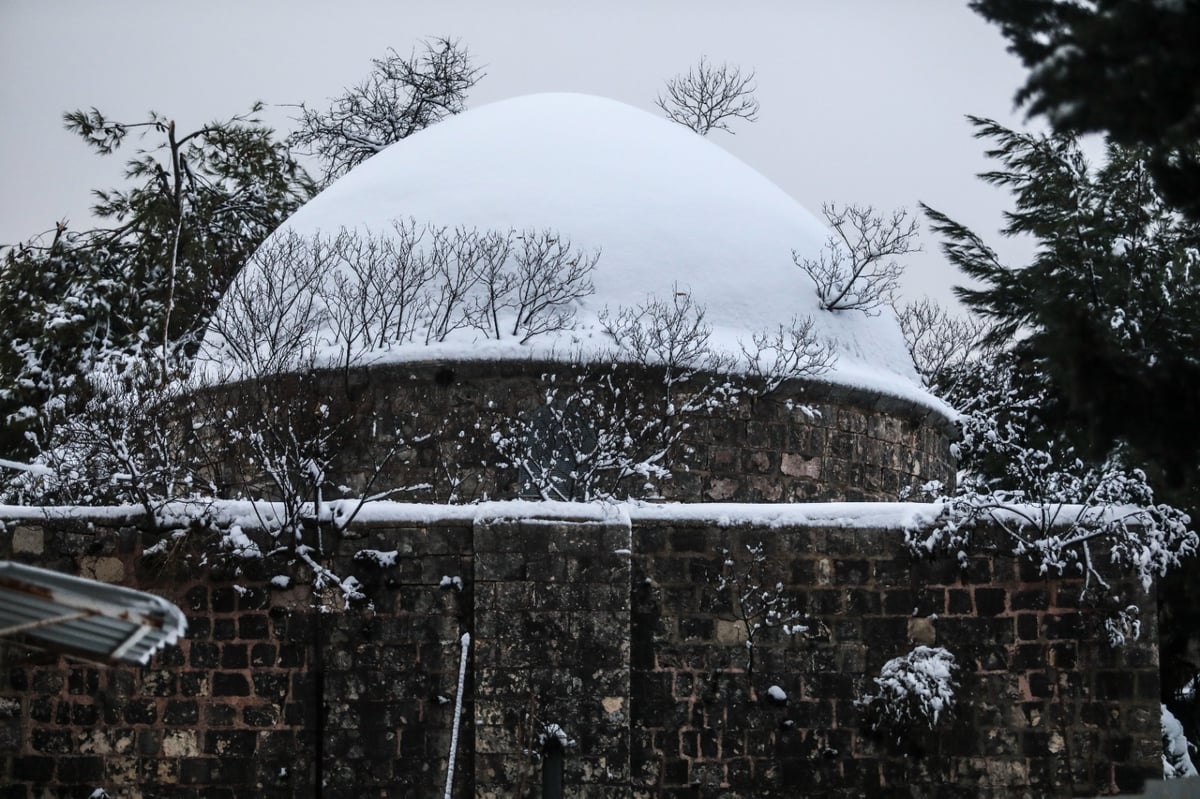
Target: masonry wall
(1046, 708)
(807, 441)
(617, 633)
(267, 695)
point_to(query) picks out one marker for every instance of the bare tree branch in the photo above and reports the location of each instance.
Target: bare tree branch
(857, 269)
(942, 345)
(708, 97)
(401, 96)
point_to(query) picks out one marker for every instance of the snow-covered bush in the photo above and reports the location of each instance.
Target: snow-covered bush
(554, 736)
(913, 692)
(598, 436)
(1177, 749)
(116, 447)
(615, 432)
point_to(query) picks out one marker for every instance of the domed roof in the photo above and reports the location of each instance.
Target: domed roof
(668, 210)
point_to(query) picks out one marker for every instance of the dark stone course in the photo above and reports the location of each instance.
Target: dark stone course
(638, 656)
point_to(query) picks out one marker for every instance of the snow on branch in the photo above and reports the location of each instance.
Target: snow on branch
(612, 431)
(757, 601)
(857, 268)
(1177, 749)
(1113, 528)
(913, 692)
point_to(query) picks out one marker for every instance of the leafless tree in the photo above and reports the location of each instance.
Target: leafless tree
(709, 96)
(857, 268)
(401, 283)
(117, 447)
(942, 345)
(495, 282)
(401, 96)
(787, 352)
(354, 292)
(266, 319)
(550, 277)
(456, 258)
(669, 333)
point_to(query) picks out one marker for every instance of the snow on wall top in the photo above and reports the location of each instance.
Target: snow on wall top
(667, 209)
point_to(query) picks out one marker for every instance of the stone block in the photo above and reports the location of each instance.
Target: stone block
(28, 539)
(103, 568)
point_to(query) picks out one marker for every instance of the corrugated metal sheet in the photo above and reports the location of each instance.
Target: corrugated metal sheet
(84, 617)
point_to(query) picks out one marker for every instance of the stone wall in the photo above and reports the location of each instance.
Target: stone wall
(266, 696)
(615, 629)
(807, 441)
(1047, 709)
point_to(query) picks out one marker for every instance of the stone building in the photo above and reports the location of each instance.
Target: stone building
(471, 642)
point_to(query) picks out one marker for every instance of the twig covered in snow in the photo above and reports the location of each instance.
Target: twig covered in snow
(1099, 522)
(465, 644)
(758, 602)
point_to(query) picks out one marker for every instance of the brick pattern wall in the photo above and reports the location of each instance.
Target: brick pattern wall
(617, 634)
(1048, 708)
(266, 696)
(806, 442)
(552, 625)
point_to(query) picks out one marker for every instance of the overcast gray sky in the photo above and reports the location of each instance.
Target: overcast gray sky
(862, 100)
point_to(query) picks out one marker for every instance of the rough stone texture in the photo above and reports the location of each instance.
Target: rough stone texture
(620, 636)
(1046, 708)
(265, 696)
(552, 627)
(808, 441)
(28, 540)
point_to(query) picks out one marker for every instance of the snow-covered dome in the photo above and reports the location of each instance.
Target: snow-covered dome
(668, 210)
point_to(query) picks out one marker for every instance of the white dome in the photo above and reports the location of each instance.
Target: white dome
(665, 207)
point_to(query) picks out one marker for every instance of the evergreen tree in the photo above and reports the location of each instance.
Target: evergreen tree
(1103, 341)
(1109, 307)
(1127, 68)
(198, 205)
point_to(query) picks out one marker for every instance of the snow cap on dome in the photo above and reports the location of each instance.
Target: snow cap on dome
(667, 210)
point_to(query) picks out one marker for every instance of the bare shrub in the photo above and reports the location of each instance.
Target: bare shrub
(549, 278)
(268, 314)
(942, 345)
(787, 352)
(857, 268)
